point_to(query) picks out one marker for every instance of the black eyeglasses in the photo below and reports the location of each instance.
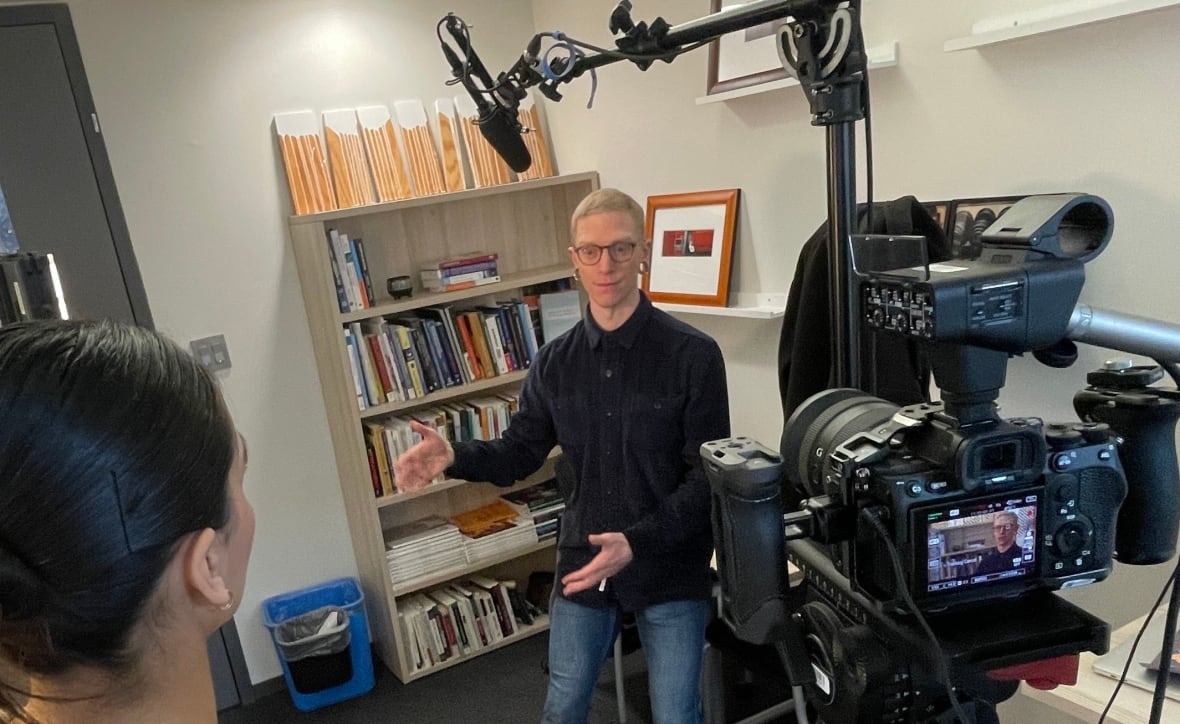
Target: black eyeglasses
(620, 251)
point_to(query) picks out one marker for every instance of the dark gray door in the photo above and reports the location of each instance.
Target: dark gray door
(54, 169)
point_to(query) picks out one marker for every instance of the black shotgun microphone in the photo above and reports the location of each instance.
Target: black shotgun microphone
(501, 128)
(498, 122)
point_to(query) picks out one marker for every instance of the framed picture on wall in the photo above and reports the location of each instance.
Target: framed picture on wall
(692, 238)
(969, 218)
(744, 58)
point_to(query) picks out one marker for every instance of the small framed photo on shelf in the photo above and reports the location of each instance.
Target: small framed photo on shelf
(746, 58)
(692, 245)
(969, 218)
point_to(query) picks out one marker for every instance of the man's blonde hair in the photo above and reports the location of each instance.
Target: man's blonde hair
(605, 201)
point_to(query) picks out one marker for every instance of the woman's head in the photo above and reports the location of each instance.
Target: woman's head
(118, 463)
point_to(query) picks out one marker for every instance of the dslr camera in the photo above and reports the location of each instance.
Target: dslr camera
(975, 506)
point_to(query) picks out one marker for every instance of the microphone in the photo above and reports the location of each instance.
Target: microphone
(501, 128)
(498, 120)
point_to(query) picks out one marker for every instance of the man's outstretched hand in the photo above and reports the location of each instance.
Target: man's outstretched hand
(425, 461)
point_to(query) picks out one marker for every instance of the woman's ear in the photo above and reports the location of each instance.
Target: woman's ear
(203, 565)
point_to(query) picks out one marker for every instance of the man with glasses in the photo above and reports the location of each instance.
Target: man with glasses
(1006, 555)
(629, 394)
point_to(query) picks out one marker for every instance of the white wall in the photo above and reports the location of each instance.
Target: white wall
(186, 92)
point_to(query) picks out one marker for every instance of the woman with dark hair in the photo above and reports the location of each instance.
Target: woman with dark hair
(124, 531)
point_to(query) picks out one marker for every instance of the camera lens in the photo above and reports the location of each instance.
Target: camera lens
(821, 423)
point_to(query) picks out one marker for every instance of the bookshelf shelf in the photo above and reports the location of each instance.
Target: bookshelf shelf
(526, 225)
(538, 626)
(448, 393)
(757, 306)
(1050, 18)
(450, 574)
(507, 282)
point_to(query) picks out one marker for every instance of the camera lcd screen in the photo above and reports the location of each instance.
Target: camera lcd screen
(982, 541)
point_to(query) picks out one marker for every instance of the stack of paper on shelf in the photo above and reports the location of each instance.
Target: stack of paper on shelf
(493, 529)
(535, 141)
(346, 152)
(386, 159)
(303, 158)
(448, 138)
(425, 547)
(487, 168)
(508, 536)
(420, 151)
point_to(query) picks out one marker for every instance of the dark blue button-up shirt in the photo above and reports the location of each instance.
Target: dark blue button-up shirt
(630, 409)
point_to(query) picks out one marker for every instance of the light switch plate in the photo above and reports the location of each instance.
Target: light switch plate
(211, 352)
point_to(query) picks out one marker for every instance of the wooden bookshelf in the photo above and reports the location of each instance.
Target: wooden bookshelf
(527, 225)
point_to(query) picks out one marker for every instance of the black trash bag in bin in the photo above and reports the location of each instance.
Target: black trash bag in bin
(315, 646)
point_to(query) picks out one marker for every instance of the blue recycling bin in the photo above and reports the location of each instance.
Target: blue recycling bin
(320, 680)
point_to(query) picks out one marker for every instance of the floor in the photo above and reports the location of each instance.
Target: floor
(507, 685)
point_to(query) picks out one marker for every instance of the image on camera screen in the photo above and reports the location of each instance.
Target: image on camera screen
(979, 542)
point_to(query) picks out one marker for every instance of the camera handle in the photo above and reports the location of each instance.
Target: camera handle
(1145, 417)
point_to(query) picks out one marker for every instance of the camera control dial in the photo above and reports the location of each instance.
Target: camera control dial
(1071, 538)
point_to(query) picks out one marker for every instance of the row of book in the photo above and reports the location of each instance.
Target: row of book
(407, 356)
(350, 272)
(463, 272)
(461, 618)
(477, 418)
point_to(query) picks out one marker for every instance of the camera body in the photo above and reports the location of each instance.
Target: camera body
(990, 510)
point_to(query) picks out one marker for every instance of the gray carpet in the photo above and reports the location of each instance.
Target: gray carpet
(507, 685)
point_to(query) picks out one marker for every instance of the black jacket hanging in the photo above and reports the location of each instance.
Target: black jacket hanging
(804, 349)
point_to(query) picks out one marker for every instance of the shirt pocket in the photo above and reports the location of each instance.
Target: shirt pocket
(655, 424)
(571, 417)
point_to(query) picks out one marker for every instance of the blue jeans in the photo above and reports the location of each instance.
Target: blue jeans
(580, 639)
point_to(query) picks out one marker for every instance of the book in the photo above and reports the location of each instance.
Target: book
(466, 284)
(363, 265)
(337, 277)
(475, 324)
(560, 311)
(347, 272)
(354, 362)
(375, 438)
(451, 272)
(474, 257)
(483, 519)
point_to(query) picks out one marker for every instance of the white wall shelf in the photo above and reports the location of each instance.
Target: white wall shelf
(880, 56)
(1049, 18)
(750, 306)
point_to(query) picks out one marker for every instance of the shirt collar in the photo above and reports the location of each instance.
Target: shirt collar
(624, 335)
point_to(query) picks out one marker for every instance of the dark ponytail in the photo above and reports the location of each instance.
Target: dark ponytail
(114, 443)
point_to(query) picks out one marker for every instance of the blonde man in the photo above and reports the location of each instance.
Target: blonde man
(629, 393)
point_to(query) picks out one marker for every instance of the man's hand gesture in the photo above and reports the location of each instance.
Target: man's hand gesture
(425, 461)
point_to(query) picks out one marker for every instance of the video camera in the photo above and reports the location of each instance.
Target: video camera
(938, 476)
(945, 511)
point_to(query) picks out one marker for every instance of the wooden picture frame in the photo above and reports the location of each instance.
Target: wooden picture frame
(691, 237)
(745, 58)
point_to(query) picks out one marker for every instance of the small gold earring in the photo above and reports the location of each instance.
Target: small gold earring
(644, 268)
(228, 604)
(577, 277)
